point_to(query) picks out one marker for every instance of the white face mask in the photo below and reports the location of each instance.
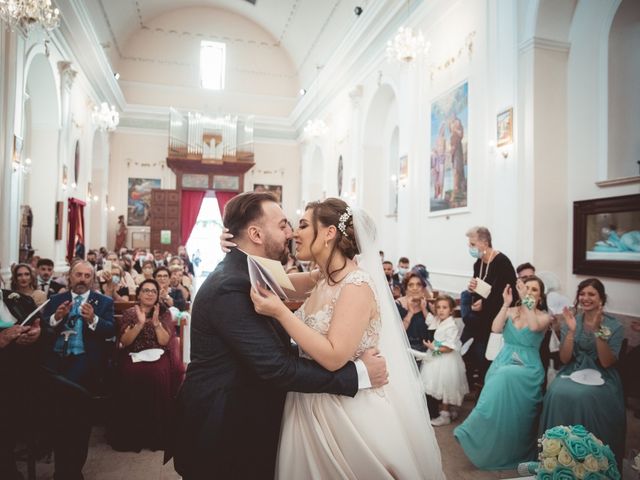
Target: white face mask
(402, 270)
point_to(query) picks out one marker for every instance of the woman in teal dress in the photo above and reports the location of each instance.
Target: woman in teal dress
(501, 430)
(590, 340)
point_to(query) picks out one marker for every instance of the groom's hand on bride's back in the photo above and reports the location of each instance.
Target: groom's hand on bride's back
(376, 367)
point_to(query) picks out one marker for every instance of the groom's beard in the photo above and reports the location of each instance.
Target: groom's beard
(277, 251)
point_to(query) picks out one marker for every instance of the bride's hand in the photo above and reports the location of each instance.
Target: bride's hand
(225, 241)
(266, 302)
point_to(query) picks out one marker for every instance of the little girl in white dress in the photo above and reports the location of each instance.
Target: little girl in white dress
(443, 372)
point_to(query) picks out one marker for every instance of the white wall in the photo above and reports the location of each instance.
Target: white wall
(134, 155)
(163, 68)
(624, 84)
(587, 139)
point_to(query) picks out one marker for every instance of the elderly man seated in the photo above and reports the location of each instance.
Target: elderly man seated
(17, 371)
(77, 324)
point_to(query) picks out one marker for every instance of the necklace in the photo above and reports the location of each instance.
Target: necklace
(482, 264)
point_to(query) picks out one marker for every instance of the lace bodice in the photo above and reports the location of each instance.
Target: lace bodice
(323, 299)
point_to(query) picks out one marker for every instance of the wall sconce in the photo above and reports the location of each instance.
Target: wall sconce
(65, 177)
(21, 166)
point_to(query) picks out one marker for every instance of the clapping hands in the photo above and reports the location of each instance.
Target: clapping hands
(507, 295)
(567, 313)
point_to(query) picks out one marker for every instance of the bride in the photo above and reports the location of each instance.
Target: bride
(381, 433)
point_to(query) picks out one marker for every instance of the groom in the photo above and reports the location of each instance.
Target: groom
(242, 363)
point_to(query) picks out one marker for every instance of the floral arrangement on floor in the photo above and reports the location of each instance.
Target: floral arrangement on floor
(573, 452)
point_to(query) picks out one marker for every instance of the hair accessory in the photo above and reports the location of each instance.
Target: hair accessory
(342, 223)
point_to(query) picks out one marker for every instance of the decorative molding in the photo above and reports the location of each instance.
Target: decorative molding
(544, 44)
(467, 47)
(67, 74)
(619, 181)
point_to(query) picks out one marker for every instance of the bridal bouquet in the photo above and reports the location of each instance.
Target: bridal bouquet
(573, 452)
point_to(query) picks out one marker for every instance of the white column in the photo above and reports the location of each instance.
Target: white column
(67, 76)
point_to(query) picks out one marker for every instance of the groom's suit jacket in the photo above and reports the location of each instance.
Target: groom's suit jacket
(242, 365)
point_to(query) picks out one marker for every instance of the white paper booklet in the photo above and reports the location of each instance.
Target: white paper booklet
(269, 273)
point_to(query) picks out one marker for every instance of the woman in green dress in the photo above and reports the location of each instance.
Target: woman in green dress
(501, 430)
(592, 339)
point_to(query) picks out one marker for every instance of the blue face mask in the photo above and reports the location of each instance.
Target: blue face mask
(115, 278)
(474, 252)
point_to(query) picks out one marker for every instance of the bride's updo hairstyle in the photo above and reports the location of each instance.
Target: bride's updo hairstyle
(326, 213)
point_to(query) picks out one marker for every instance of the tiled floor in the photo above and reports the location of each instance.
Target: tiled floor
(106, 464)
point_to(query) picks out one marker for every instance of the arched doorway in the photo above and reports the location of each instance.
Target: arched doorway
(41, 127)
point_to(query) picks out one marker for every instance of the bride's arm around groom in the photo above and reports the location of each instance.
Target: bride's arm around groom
(229, 409)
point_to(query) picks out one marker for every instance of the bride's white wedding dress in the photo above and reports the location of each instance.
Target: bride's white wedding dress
(370, 436)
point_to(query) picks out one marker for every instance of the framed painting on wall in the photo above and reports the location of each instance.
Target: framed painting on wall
(606, 237)
(449, 134)
(403, 170)
(276, 190)
(195, 180)
(139, 200)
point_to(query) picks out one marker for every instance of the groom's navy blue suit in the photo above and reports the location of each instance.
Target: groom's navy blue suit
(242, 364)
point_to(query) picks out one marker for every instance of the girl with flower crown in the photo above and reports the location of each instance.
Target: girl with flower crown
(442, 371)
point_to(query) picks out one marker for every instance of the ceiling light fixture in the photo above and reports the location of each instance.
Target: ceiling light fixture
(106, 118)
(407, 46)
(28, 14)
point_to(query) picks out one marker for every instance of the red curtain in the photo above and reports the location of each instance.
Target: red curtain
(223, 198)
(75, 227)
(191, 203)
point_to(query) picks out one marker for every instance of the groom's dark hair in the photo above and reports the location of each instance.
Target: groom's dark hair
(244, 209)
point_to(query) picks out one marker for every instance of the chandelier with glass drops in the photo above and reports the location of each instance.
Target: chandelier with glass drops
(27, 14)
(407, 46)
(106, 118)
(315, 127)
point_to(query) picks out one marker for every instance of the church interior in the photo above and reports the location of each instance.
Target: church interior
(127, 126)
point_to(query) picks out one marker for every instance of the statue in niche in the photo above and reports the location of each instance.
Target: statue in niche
(26, 224)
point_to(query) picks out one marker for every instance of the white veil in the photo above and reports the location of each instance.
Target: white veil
(404, 391)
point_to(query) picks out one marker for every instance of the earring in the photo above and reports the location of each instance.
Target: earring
(326, 244)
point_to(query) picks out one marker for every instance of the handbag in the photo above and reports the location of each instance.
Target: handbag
(494, 345)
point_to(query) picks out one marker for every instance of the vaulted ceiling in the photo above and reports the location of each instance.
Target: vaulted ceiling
(308, 31)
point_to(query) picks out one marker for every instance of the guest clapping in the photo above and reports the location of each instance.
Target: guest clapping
(590, 340)
(145, 382)
(505, 415)
(113, 284)
(413, 310)
(169, 297)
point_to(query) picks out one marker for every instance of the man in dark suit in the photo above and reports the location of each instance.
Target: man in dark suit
(242, 364)
(77, 324)
(18, 361)
(45, 282)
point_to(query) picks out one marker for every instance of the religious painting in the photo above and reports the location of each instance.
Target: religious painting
(139, 200)
(449, 134)
(606, 237)
(505, 128)
(276, 190)
(17, 149)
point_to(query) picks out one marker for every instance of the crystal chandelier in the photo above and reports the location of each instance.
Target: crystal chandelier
(27, 14)
(106, 118)
(315, 128)
(407, 46)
